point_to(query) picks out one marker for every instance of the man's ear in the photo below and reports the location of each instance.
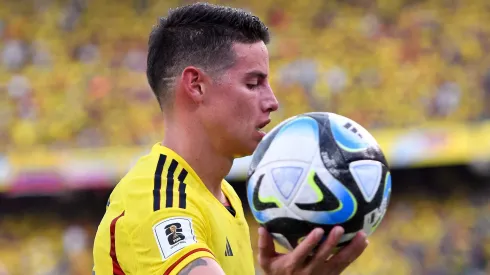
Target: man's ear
(193, 83)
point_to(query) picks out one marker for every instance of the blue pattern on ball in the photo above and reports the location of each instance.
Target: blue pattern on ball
(346, 138)
(300, 124)
(260, 216)
(346, 209)
(387, 191)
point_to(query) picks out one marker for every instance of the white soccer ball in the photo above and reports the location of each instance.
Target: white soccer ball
(318, 170)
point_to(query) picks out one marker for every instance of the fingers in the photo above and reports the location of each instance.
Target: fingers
(266, 247)
(348, 254)
(299, 254)
(328, 247)
(295, 261)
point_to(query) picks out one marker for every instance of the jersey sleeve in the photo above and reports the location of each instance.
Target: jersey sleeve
(170, 239)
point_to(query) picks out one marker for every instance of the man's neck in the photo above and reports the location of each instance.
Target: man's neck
(210, 166)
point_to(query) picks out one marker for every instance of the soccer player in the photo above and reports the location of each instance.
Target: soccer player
(174, 213)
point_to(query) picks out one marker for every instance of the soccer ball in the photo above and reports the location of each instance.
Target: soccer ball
(318, 170)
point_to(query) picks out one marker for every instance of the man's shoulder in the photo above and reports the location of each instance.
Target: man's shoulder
(158, 183)
(163, 178)
(161, 164)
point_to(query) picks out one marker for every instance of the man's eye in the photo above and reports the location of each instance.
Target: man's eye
(251, 86)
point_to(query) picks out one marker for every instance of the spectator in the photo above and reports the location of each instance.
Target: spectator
(14, 55)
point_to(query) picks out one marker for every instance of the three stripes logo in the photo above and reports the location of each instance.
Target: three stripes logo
(228, 251)
(170, 182)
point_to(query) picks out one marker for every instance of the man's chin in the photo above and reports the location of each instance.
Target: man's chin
(245, 151)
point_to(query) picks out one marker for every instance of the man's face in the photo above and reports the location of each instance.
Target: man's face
(239, 102)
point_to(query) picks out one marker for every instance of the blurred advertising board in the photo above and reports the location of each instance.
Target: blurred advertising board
(41, 172)
(53, 171)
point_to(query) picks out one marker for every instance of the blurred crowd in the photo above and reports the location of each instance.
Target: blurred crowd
(49, 235)
(72, 72)
(422, 235)
(41, 245)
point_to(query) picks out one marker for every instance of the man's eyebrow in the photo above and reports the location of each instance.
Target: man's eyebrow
(256, 73)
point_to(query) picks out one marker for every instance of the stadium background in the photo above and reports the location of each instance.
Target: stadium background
(76, 112)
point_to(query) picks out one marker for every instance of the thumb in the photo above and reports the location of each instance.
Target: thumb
(266, 247)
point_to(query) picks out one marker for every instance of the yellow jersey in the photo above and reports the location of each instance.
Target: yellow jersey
(161, 216)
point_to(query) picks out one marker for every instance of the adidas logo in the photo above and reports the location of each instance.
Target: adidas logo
(228, 251)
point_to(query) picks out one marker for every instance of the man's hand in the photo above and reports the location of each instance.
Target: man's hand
(299, 262)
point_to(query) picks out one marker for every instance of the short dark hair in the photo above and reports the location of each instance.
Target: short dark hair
(200, 35)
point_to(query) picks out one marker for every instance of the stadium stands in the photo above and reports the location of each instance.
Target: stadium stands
(72, 72)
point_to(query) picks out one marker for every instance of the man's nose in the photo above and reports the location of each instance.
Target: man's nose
(270, 103)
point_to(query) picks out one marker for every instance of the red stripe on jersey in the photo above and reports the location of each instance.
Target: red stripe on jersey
(116, 268)
(167, 272)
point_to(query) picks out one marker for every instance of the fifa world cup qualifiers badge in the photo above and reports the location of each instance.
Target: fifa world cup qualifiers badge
(174, 234)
